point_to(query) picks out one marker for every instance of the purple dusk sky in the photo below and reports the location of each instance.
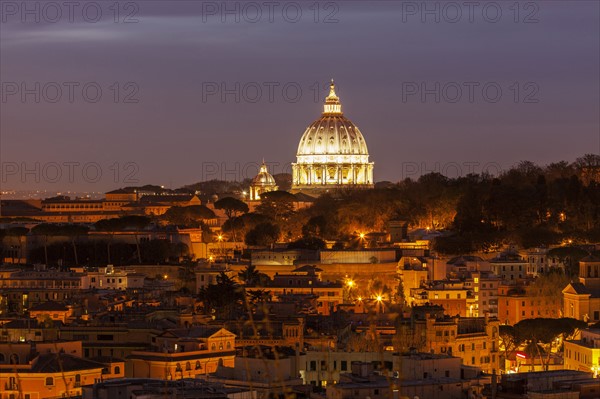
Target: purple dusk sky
(543, 56)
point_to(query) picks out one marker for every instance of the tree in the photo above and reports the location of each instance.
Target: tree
(264, 234)
(109, 226)
(232, 207)
(74, 231)
(45, 230)
(136, 223)
(509, 340)
(314, 243)
(20, 233)
(570, 256)
(223, 299)
(193, 215)
(540, 334)
(588, 167)
(278, 205)
(251, 277)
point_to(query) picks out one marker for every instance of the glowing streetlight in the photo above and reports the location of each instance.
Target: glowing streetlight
(362, 236)
(350, 284)
(379, 299)
(166, 276)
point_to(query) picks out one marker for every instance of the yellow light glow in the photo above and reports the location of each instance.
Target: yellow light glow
(379, 298)
(359, 299)
(362, 235)
(350, 283)
(166, 276)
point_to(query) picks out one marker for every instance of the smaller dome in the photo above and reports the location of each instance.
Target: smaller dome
(263, 178)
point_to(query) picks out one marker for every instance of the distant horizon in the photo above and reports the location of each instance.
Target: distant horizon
(7, 193)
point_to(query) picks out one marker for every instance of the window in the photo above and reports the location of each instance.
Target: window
(188, 366)
(117, 370)
(49, 381)
(344, 365)
(77, 380)
(313, 365)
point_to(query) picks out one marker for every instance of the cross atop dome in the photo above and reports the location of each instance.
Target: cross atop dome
(332, 102)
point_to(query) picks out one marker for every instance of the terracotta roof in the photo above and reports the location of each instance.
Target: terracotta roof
(59, 362)
(461, 260)
(581, 289)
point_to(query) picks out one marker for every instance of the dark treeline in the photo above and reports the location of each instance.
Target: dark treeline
(528, 205)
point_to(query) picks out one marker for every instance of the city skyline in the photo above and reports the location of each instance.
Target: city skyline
(187, 69)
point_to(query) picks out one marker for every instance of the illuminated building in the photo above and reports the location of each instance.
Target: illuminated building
(53, 373)
(516, 304)
(22, 289)
(184, 353)
(582, 299)
(263, 182)
(584, 354)
(332, 153)
(473, 339)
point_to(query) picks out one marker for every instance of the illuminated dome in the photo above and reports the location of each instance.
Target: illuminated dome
(332, 152)
(263, 182)
(263, 178)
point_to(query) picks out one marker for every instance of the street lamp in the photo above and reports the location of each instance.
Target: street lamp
(220, 239)
(379, 299)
